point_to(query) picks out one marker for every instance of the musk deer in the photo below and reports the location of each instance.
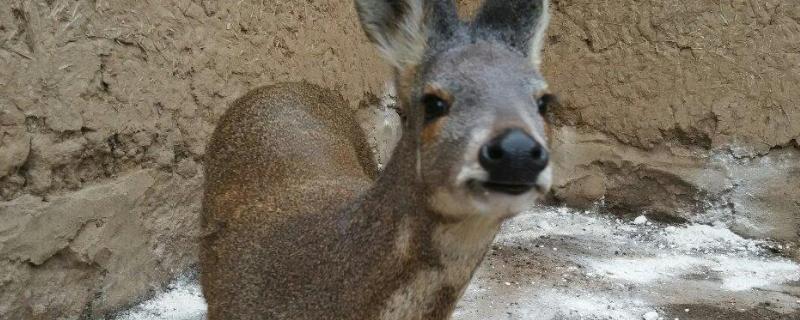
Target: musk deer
(294, 226)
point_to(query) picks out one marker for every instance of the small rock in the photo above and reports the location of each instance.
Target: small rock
(652, 315)
(640, 220)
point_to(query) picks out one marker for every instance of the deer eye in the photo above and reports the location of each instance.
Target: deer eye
(435, 107)
(544, 102)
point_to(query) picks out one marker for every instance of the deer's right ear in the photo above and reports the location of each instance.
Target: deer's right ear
(396, 27)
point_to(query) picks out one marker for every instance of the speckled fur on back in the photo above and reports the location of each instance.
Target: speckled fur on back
(294, 226)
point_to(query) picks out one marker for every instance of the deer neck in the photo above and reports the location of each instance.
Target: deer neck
(435, 256)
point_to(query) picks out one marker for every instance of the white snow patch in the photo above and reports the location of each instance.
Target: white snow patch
(695, 237)
(652, 315)
(558, 222)
(548, 303)
(183, 300)
(740, 274)
(645, 270)
(589, 306)
(736, 273)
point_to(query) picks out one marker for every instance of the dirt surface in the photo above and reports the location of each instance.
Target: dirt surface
(559, 264)
(674, 109)
(563, 264)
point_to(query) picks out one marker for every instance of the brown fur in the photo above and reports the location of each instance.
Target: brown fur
(430, 132)
(294, 227)
(290, 255)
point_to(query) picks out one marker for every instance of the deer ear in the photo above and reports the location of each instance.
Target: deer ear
(521, 24)
(396, 27)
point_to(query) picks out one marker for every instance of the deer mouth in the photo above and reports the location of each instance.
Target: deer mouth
(508, 188)
(513, 189)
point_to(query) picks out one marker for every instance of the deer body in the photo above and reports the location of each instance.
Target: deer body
(295, 227)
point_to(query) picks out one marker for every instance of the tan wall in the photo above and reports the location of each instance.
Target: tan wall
(106, 106)
(105, 110)
(705, 73)
(687, 110)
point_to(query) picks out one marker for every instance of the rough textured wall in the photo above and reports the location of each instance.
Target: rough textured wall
(105, 110)
(703, 73)
(687, 110)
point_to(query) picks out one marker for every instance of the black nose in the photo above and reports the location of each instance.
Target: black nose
(514, 161)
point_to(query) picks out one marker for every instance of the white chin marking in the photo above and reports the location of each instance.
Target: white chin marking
(465, 202)
(545, 180)
(469, 172)
(471, 168)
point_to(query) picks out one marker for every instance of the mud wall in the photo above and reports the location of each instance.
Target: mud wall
(105, 110)
(684, 110)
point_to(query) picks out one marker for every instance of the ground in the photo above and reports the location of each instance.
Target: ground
(560, 264)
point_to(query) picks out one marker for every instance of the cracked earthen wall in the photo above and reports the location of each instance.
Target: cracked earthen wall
(674, 108)
(685, 110)
(105, 111)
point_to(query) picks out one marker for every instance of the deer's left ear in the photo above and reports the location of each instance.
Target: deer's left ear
(519, 23)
